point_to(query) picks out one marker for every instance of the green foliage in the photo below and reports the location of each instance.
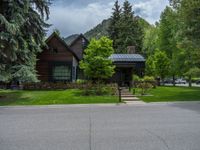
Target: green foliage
(189, 31)
(149, 78)
(178, 35)
(96, 64)
(136, 78)
(80, 81)
(150, 66)
(158, 64)
(22, 34)
(144, 86)
(150, 40)
(194, 72)
(167, 31)
(162, 64)
(168, 39)
(124, 28)
(113, 28)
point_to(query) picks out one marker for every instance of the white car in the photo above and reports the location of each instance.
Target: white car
(180, 81)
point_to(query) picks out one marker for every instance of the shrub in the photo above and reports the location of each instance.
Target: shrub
(88, 88)
(136, 78)
(149, 78)
(144, 86)
(80, 81)
(101, 89)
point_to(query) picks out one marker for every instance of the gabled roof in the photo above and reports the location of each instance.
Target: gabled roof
(71, 38)
(54, 34)
(77, 38)
(127, 58)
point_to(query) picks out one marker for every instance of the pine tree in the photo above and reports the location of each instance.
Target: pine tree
(130, 33)
(22, 32)
(113, 29)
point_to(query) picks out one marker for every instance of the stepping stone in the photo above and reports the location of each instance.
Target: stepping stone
(134, 102)
(127, 95)
(130, 98)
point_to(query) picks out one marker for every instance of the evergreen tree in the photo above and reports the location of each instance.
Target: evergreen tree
(113, 28)
(130, 31)
(22, 32)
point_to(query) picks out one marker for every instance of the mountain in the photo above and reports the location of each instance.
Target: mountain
(70, 38)
(98, 31)
(102, 29)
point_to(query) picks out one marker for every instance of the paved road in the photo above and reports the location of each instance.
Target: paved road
(141, 127)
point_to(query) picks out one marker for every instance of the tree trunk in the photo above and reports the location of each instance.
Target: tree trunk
(158, 81)
(174, 84)
(190, 81)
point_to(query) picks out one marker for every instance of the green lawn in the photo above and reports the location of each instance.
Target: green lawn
(167, 94)
(10, 97)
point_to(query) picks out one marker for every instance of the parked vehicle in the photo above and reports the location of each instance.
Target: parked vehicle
(168, 81)
(180, 81)
(198, 82)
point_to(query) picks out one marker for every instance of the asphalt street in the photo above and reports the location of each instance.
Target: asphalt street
(173, 126)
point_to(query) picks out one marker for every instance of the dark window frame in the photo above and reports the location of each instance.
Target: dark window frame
(59, 63)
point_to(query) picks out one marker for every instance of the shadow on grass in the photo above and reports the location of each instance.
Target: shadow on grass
(11, 97)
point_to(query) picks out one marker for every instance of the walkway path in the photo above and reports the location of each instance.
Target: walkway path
(129, 98)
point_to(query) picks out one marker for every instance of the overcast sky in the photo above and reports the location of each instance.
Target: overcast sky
(78, 16)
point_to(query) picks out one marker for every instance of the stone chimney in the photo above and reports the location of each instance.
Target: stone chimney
(131, 50)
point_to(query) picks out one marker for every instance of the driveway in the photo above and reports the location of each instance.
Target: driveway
(174, 126)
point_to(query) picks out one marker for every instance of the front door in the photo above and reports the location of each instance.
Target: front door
(123, 76)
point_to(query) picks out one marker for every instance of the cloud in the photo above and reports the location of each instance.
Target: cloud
(79, 16)
(150, 10)
(70, 19)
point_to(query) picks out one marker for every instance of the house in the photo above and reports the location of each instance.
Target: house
(59, 61)
(126, 66)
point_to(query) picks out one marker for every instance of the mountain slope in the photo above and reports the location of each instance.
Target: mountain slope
(102, 30)
(98, 31)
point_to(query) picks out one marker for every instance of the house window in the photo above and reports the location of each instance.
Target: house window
(62, 73)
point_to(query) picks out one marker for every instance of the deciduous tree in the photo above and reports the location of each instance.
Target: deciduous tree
(95, 63)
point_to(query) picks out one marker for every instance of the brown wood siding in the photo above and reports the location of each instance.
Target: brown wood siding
(46, 57)
(77, 48)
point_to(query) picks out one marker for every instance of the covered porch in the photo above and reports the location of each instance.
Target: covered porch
(126, 66)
